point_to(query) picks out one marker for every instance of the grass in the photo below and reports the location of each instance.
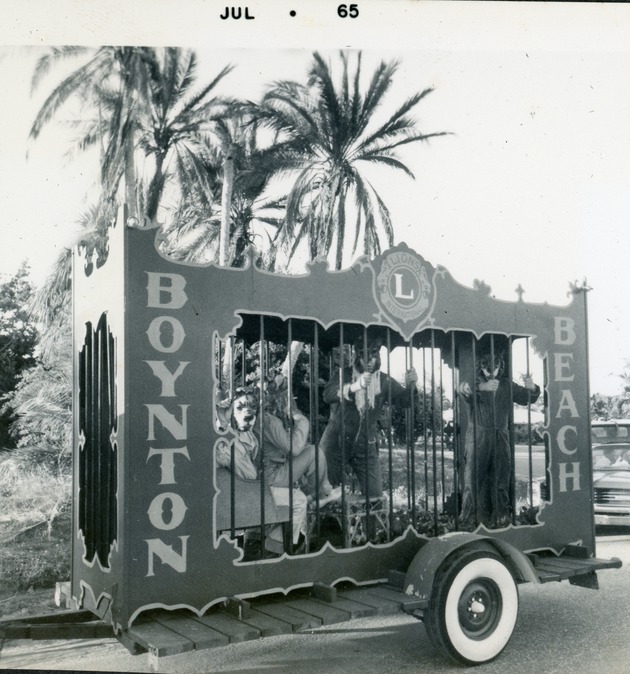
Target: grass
(35, 534)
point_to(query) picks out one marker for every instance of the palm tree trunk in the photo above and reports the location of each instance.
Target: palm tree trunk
(156, 187)
(226, 208)
(130, 175)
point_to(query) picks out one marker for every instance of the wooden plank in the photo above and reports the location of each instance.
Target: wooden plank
(159, 639)
(380, 605)
(96, 630)
(267, 625)
(201, 635)
(297, 619)
(327, 613)
(132, 646)
(15, 631)
(353, 608)
(68, 616)
(234, 629)
(407, 602)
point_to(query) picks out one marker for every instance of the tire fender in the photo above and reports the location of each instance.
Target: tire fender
(425, 565)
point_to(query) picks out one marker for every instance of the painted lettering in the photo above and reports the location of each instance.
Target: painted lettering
(574, 475)
(171, 284)
(166, 554)
(174, 503)
(166, 377)
(561, 439)
(167, 461)
(178, 429)
(567, 402)
(564, 331)
(156, 337)
(563, 362)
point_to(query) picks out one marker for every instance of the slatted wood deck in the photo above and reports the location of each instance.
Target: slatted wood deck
(163, 633)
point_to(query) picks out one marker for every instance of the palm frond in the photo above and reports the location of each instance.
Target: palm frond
(47, 61)
(76, 84)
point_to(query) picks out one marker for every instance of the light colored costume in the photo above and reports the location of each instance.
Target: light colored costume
(247, 466)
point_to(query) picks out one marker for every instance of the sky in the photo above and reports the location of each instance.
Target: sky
(532, 186)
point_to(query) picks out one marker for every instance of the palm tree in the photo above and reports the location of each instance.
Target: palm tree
(176, 123)
(327, 132)
(113, 81)
(143, 99)
(220, 219)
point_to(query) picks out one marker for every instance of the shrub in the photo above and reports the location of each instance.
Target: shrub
(35, 526)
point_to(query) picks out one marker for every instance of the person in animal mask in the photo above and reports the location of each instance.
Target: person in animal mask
(364, 389)
(487, 453)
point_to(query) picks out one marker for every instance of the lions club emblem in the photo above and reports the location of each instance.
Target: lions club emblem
(405, 289)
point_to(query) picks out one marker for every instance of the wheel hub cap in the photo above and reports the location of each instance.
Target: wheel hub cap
(480, 608)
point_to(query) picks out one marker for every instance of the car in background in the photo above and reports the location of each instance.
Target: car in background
(610, 441)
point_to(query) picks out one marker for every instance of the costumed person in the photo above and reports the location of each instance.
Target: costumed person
(364, 389)
(487, 453)
(285, 433)
(240, 413)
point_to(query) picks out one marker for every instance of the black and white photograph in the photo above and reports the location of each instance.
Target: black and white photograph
(314, 345)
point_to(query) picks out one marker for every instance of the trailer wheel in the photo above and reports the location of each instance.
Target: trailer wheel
(473, 607)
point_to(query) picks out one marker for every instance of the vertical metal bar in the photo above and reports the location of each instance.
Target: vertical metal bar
(475, 485)
(390, 452)
(494, 432)
(290, 407)
(529, 429)
(231, 351)
(455, 443)
(407, 436)
(443, 476)
(366, 420)
(510, 375)
(411, 440)
(424, 429)
(342, 414)
(433, 438)
(232, 448)
(315, 415)
(243, 363)
(220, 364)
(232, 491)
(261, 420)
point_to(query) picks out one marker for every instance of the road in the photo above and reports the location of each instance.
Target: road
(561, 628)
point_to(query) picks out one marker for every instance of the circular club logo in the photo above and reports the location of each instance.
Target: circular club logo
(404, 289)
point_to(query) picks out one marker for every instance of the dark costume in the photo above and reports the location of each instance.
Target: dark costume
(487, 453)
(362, 411)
